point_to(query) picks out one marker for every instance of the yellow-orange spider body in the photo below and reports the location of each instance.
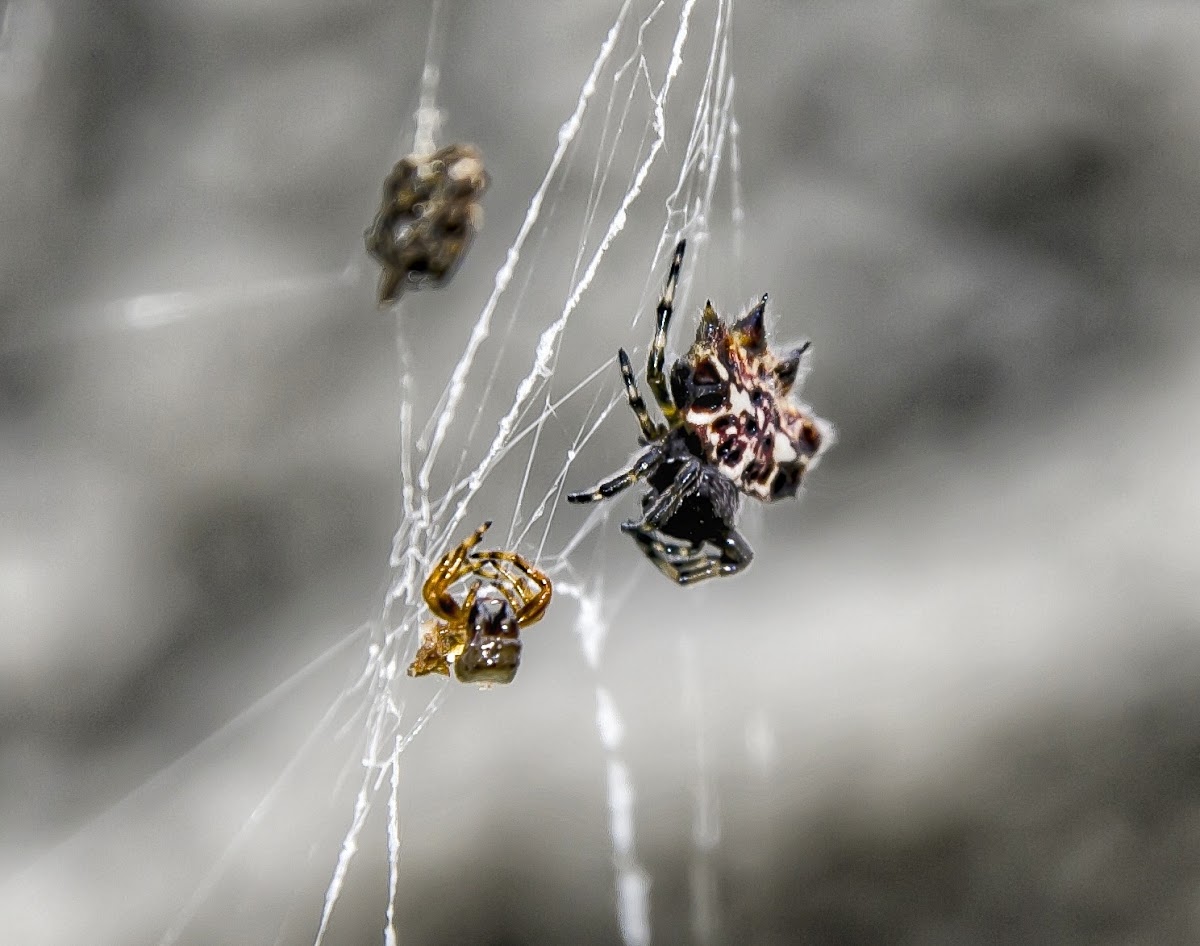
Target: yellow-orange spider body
(480, 635)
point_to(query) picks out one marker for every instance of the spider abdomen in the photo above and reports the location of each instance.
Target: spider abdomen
(748, 428)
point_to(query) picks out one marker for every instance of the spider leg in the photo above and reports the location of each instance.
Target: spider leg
(674, 561)
(456, 634)
(658, 346)
(528, 602)
(732, 556)
(656, 542)
(691, 561)
(653, 546)
(650, 430)
(489, 566)
(666, 504)
(453, 566)
(533, 602)
(440, 641)
(483, 565)
(533, 608)
(502, 580)
(703, 567)
(494, 564)
(444, 640)
(646, 464)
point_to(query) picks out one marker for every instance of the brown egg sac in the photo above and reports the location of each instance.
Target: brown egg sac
(429, 215)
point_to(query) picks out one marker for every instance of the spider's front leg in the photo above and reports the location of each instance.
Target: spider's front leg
(683, 564)
(667, 503)
(658, 346)
(646, 464)
(442, 640)
(531, 603)
(650, 431)
(687, 565)
(734, 555)
(453, 566)
(667, 557)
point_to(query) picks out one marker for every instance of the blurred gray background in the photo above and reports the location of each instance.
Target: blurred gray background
(954, 700)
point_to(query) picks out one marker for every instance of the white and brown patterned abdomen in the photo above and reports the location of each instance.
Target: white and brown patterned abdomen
(762, 445)
(756, 436)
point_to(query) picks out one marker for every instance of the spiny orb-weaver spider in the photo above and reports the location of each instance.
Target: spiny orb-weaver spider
(480, 636)
(729, 429)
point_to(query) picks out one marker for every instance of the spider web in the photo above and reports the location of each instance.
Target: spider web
(651, 139)
(530, 428)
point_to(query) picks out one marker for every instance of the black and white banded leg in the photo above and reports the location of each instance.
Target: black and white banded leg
(658, 346)
(687, 564)
(646, 464)
(651, 431)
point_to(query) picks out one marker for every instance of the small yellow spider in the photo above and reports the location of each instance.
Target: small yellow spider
(481, 635)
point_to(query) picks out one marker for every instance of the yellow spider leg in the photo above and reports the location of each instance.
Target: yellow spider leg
(453, 566)
(510, 585)
(459, 628)
(533, 606)
(443, 641)
(532, 601)
(492, 566)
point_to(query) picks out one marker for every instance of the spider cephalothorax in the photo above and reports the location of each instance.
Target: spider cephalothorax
(429, 215)
(482, 635)
(730, 429)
